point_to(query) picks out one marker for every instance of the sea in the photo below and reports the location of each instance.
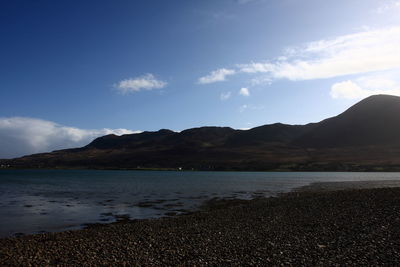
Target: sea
(39, 201)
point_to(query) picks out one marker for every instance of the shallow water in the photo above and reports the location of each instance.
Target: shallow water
(34, 201)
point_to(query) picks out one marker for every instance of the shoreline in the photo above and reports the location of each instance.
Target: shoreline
(309, 226)
(394, 169)
(347, 185)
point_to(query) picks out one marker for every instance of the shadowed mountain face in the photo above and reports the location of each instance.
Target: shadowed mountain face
(364, 137)
(129, 141)
(269, 134)
(373, 121)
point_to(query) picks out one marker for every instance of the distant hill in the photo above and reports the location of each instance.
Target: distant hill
(365, 137)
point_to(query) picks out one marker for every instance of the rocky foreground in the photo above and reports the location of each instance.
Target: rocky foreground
(347, 227)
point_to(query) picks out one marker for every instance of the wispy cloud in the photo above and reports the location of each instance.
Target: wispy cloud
(145, 82)
(225, 96)
(244, 91)
(362, 52)
(21, 136)
(245, 107)
(261, 80)
(218, 75)
(358, 53)
(256, 67)
(387, 5)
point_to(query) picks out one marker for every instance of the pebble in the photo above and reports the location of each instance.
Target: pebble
(346, 227)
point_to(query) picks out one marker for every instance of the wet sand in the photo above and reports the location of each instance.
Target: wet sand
(322, 224)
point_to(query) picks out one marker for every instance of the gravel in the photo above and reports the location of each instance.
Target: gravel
(345, 227)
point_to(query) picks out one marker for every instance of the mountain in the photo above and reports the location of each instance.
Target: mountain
(373, 121)
(364, 137)
(269, 134)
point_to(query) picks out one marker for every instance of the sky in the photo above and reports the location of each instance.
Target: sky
(71, 71)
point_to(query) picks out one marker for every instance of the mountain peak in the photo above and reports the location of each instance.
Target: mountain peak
(381, 97)
(372, 121)
(378, 101)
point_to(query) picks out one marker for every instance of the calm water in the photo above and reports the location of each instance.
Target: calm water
(33, 201)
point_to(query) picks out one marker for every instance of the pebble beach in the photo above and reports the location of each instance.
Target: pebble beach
(346, 226)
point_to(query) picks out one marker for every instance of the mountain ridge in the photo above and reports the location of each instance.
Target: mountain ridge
(364, 137)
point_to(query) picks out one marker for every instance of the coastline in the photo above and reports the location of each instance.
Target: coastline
(355, 169)
(348, 185)
(309, 226)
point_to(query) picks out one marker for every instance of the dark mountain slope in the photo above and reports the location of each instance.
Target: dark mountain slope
(269, 134)
(202, 137)
(373, 121)
(130, 140)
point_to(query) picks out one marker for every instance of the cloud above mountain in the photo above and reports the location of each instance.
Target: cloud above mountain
(365, 86)
(357, 53)
(22, 136)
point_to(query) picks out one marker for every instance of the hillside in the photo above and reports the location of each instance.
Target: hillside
(373, 121)
(364, 137)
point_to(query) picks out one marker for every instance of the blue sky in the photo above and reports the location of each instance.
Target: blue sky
(74, 70)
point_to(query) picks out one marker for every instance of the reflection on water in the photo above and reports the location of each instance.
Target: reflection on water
(33, 201)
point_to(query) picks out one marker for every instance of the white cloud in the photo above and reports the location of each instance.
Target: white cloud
(365, 86)
(352, 54)
(244, 91)
(216, 76)
(348, 90)
(367, 51)
(22, 136)
(225, 96)
(145, 82)
(256, 67)
(358, 53)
